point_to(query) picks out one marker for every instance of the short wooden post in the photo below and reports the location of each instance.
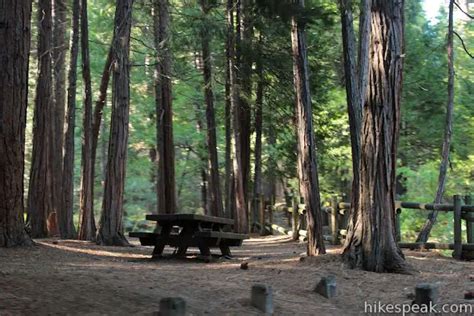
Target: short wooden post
(398, 232)
(261, 208)
(334, 221)
(288, 202)
(254, 212)
(457, 253)
(426, 294)
(469, 221)
(270, 214)
(295, 215)
(469, 218)
(172, 306)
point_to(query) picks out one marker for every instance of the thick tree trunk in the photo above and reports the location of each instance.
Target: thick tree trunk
(166, 191)
(238, 200)
(65, 215)
(15, 34)
(307, 162)
(448, 131)
(257, 182)
(371, 241)
(59, 77)
(40, 193)
(214, 189)
(87, 228)
(111, 227)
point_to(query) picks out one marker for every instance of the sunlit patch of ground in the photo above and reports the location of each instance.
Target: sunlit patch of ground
(73, 277)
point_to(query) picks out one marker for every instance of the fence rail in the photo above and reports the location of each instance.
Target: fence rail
(336, 216)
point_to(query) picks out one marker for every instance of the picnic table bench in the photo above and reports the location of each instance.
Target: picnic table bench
(190, 230)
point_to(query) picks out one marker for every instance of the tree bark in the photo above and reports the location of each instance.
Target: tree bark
(65, 216)
(59, 81)
(238, 200)
(99, 109)
(214, 189)
(166, 191)
(202, 151)
(307, 162)
(40, 193)
(111, 227)
(257, 183)
(15, 35)
(356, 82)
(87, 228)
(244, 80)
(448, 131)
(371, 243)
(228, 113)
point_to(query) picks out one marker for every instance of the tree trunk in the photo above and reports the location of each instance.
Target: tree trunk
(356, 81)
(87, 228)
(228, 114)
(240, 205)
(202, 147)
(65, 216)
(15, 34)
(166, 191)
(244, 79)
(371, 243)
(59, 77)
(214, 189)
(111, 227)
(257, 183)
(448, 131)
(40, 193)
(99, 109)
(307, 162)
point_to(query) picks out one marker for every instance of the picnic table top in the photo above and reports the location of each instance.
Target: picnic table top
(175, 218)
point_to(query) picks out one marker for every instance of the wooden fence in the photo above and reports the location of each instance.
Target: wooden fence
(336, 216)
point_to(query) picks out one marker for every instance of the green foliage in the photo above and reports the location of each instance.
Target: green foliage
(423, 103)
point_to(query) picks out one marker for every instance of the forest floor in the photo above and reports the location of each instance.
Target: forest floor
(78, 278)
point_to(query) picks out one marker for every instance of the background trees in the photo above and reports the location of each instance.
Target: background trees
(422, 121)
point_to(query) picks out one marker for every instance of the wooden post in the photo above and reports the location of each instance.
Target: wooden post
(398, 232)
(469, 217)
(270, 215)
(294, 223)
(457, 253)
(288, 202)
(469, 221)
(261, 208)
(334, 221)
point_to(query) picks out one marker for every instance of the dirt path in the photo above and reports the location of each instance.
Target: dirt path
(78, 278)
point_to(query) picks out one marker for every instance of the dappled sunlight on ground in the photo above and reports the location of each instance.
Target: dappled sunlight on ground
(73, 277)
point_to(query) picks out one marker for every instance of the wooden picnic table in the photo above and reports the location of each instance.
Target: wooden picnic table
(190, 230)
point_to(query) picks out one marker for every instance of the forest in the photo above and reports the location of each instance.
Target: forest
(319, 138)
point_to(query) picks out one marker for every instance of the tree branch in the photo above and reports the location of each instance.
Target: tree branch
(463, 45)
(459, 7)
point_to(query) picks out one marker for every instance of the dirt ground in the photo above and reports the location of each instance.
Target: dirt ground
(80, 278)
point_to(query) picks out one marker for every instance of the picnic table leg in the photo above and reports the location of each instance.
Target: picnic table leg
(205, 251)
(186, 233)
(225, 250)
(160, 245)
